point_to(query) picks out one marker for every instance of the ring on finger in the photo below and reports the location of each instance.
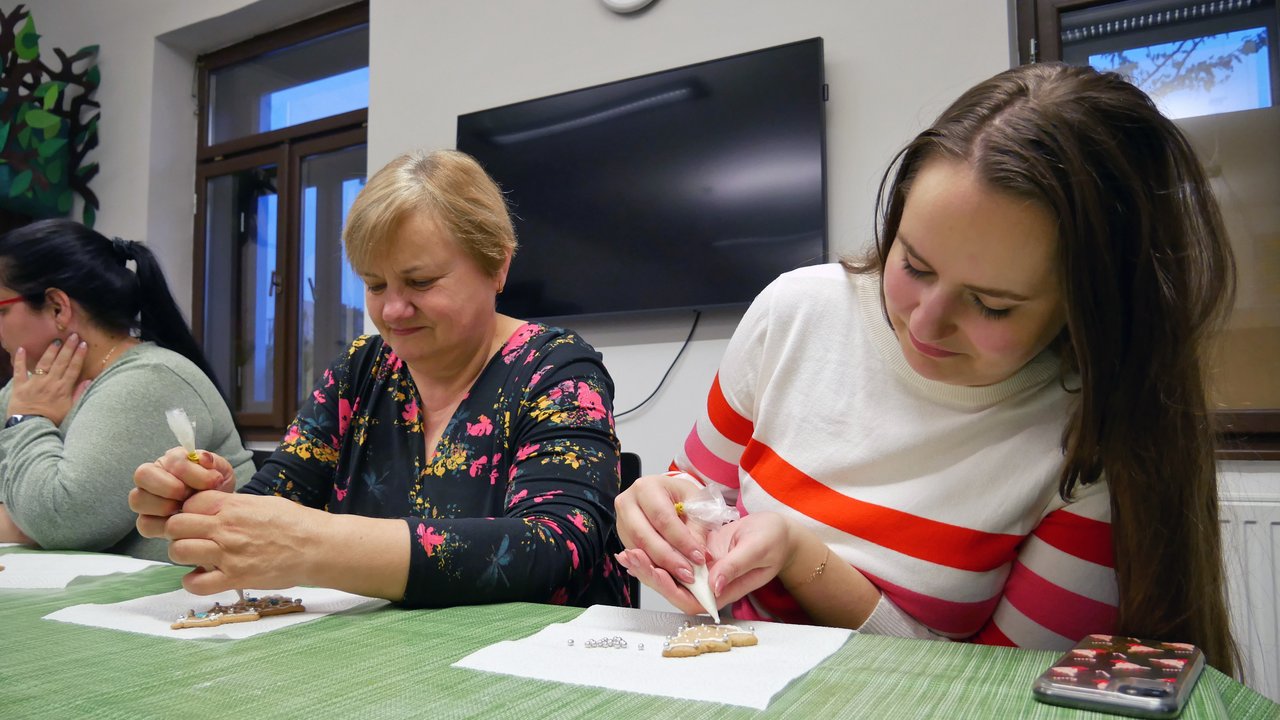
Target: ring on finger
(39, 371)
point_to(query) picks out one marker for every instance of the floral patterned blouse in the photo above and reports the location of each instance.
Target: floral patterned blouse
(517, 502)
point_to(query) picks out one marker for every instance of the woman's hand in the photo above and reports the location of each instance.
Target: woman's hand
(243, 541)
(161, 487)
(9, 530)
(647, 521)
(765, 546)
(744, 555)
(54, 385)
(638, 565)
(748, 553)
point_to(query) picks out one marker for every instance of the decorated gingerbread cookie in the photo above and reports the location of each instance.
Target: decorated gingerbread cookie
(246, 610)
(738, 637)
(693, 640)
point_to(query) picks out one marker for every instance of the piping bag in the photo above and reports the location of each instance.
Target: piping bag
(707, 509)
(184, 431)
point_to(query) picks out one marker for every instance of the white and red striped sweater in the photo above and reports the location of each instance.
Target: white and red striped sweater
(944, 496)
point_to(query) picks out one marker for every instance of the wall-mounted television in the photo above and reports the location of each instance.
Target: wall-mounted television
(686, 188)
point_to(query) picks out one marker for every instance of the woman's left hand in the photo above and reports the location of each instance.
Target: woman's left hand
(748, 554)
(242, 541)
(765, 546)
(54, 384)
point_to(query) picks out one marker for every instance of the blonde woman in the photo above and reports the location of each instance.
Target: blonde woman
(460, 456)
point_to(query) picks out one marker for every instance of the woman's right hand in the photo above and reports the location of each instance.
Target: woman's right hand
(53, 386)
(162, 486)
(647, 521)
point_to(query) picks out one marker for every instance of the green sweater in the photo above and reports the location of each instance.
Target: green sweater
(67, 486)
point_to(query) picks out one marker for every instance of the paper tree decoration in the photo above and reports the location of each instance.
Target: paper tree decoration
(48, 123)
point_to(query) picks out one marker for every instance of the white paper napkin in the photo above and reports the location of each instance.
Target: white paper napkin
(747, 676)
(152, 615)
(52, 570)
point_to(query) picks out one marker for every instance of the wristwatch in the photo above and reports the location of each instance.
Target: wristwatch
(15, 419)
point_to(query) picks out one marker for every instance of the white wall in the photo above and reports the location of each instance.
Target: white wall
(890, 66)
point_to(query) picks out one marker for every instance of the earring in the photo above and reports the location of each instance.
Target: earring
(61, 327)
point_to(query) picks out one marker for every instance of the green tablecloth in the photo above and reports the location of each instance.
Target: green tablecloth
(392, 663)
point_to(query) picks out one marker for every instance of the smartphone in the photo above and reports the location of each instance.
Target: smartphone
(1123, 675)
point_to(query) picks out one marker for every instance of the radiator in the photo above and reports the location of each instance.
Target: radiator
(1251, 551)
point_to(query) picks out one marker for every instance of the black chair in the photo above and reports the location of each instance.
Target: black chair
(630, 472)
(630, 469)
(260, 457)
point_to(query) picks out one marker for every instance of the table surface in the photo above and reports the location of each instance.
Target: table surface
(390, 662)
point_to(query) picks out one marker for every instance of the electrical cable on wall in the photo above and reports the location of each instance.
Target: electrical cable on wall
(696, 315)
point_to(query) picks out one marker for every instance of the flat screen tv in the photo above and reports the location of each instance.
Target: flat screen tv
(686, 188)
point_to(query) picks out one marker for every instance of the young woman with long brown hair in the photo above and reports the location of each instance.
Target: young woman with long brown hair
(995, 427)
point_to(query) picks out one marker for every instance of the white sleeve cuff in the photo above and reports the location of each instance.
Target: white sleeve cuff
(889, 619)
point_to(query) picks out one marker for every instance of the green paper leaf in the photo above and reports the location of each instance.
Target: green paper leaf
(49, 147)
(42, 194)
(20, 184)
(4, 134)
(53, 171)
(53, 131)
(24, 138)
(47, 86)
(51, 97)
(89, 215)
(86, 169)
(27, 41)
(91, 49)
(64, 201)
(41, 119)
(92, 78)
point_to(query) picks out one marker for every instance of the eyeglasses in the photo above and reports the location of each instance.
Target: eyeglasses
(11, 300)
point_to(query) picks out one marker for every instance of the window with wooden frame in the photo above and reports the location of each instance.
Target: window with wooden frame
(1211, 65)
(281, 154)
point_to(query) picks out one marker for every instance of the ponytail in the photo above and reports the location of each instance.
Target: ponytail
(160, 320)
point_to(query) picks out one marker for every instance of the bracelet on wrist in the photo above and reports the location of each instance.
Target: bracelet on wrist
(817, 572)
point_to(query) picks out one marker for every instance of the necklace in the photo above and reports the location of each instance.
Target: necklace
(108, 355)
